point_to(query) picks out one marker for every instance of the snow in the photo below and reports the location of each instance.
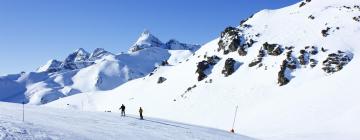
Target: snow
(314, 105)
(43, 123)
(84, 72)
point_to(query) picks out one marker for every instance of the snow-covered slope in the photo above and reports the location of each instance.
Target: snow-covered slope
(292, 73)
(82, 71)
(44, 123)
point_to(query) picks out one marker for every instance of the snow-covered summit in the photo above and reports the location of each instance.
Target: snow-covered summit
(148, 40)
(173, 44)
(51, 66)
(84, 72)
(98, 54)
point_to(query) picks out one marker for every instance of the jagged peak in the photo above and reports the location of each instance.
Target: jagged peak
(98, 53)
(81, 51)
(146, 40)
(50, 66)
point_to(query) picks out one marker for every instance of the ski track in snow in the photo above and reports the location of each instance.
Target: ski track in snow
(43, 123)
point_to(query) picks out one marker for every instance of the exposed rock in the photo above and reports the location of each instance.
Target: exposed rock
(246, 26)
(313, 63)
(323, 49)
(255, 62)
(209, 81)
(273, 49)
(289, 48)
(164, 63)
(188, 90)
(230, 40)
(161, 80)
(242, 52)
(229, 67)
(314, 50)
(311, 17)
(213, 60)
(243, 49)
(357, 18)
(201, 67)
(302, 4)
(287, 66)
(304, 58)
(204, 65)
(78, 59)
(325, 32)
(336, 61)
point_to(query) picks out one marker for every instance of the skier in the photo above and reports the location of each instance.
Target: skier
(122, 108)
(141, 115)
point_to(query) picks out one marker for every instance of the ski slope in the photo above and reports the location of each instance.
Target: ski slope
(43, 123)
(313, 105)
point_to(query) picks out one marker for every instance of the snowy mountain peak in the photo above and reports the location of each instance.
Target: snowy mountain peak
(173, 44)
(79, 55)
(51, 66)
(146, 40)
(98, 54)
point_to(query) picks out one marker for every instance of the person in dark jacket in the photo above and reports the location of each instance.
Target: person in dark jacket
(122, 108)
(141, 115)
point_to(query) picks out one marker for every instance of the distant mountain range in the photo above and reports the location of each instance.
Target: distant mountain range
(100, 70)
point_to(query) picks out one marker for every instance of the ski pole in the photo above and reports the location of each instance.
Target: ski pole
(23, 111)
(232, 129)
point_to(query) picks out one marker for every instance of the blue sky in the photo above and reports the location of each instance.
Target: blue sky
(34, 31)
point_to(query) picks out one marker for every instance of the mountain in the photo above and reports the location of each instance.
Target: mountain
(147, 40)
(82, 72)
(291, 72)
(43, 123)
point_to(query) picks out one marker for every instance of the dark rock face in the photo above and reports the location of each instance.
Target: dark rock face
(188, 90)
(304, 58)
(302, 4)
(313, 63)
(287, 66)
(314, 50)
(78, 59)
(356, 18)
(255, 62)
(201, 67)
(229, 67)
(54, 66)
(243, 48)
(205, 65)
(164, 63)
(311, 17)
(305, 54)
(242, 52)
(259, 59)
(323, 49)
(213, 59)
(336, 61)
(230, 40)
(273, 49)
(325, 32)
(161, 80)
